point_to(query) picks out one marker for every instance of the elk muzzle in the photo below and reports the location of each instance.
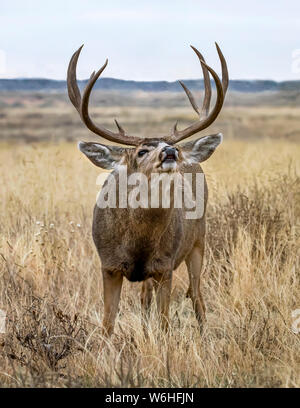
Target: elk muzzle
(169, 157)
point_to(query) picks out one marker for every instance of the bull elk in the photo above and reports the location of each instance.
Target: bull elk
(148, 244)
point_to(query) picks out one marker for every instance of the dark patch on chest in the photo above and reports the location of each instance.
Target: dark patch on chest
(137, 271)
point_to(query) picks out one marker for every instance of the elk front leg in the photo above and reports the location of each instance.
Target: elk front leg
(194, 265)
(112, 285)
(163, 286)
(146, 296)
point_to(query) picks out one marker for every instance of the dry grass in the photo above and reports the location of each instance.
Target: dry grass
(51, 284)
(44, 117)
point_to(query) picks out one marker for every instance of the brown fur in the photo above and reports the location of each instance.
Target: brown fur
(143, 244)
(148, 244)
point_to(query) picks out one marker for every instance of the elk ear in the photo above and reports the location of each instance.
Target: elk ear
(200, 150)
(106, 157)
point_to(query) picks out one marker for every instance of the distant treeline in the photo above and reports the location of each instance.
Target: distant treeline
(37, 84)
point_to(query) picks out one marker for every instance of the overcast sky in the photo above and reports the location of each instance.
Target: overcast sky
(149, 39)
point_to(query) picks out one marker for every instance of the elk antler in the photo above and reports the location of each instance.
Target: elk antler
(82, 105)
(205, 119)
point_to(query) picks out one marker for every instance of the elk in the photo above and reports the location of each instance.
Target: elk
(148, 244)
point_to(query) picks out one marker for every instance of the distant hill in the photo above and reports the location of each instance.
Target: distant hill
(40, 84)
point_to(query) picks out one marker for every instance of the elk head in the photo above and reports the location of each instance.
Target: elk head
(161, 153)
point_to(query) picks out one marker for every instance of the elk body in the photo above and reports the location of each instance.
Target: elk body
(147, 244)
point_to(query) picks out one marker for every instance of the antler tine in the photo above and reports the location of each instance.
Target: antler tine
(73, 90)
(121, 130)
(190, 96)
(82, 104)
(207, 93)
(205, 119)
(84, 108)
(225, 77)
(207, 86)
(202, 124)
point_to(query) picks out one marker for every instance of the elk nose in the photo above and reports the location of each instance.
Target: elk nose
(170, 153)
(170, 150)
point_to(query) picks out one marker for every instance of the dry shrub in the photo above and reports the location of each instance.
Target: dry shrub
(40, 336)
(261, 213)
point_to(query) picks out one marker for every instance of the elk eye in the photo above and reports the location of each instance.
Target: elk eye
(142, 152)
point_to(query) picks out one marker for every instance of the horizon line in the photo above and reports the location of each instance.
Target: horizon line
(145, 80)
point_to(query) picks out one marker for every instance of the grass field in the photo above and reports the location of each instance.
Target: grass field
(51, 284)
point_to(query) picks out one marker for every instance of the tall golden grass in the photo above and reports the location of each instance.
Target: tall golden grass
(51, 284)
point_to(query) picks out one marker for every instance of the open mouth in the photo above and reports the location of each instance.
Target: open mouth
(169, 160)
(170, 157)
